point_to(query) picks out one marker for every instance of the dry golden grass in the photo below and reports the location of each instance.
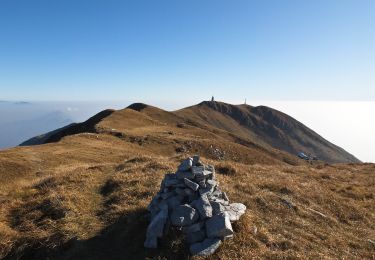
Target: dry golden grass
(85, 197)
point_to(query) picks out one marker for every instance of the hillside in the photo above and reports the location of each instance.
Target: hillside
(269, 126)
(84, 193)
(265, 128)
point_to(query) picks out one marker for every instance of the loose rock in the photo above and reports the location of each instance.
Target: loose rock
(219, 226)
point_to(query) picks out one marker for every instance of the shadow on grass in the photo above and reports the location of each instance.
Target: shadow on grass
(120, 240)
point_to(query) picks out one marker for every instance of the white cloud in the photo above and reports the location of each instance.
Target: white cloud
(349, 125)
(72, 109)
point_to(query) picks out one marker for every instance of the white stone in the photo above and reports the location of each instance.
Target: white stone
(235, 211)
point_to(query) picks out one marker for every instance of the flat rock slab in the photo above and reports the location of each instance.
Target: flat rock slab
(185, 174)
(204, 207)
(205, 248)
(192, 185)
(219, 226)
(184, 215)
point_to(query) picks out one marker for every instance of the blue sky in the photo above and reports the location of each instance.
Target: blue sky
(186, 51)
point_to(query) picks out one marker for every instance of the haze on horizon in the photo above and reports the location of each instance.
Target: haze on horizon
(173, 53)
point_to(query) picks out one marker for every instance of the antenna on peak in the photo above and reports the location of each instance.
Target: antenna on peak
(245, 101)
(212, 99)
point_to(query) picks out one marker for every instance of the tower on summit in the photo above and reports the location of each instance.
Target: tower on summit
(212, 99)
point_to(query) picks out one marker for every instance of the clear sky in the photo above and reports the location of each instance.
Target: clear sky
(187, 50)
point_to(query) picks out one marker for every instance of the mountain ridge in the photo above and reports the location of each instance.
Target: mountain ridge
(262, 125)
(277, 129)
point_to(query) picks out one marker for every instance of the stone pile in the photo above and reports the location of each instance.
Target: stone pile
(191, 200)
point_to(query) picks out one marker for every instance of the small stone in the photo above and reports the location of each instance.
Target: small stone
(210, 168)
(205, 248)
(228, 237)
(184, 215)
(225, 197)
(223, 202)
(254, 230)
(204, 207)
(235, 211)
(192, 185)
(186, 164)
(196, 160)
(219, 226)
(195, 237)
(202, 184)
(217, 194)
(212, 182)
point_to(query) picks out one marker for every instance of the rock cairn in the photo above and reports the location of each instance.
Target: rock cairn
(192, 201)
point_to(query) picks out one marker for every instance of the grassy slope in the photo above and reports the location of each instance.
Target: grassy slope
(267, 126)
(85, 196)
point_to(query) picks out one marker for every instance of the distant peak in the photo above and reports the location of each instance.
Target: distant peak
(138, 106)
